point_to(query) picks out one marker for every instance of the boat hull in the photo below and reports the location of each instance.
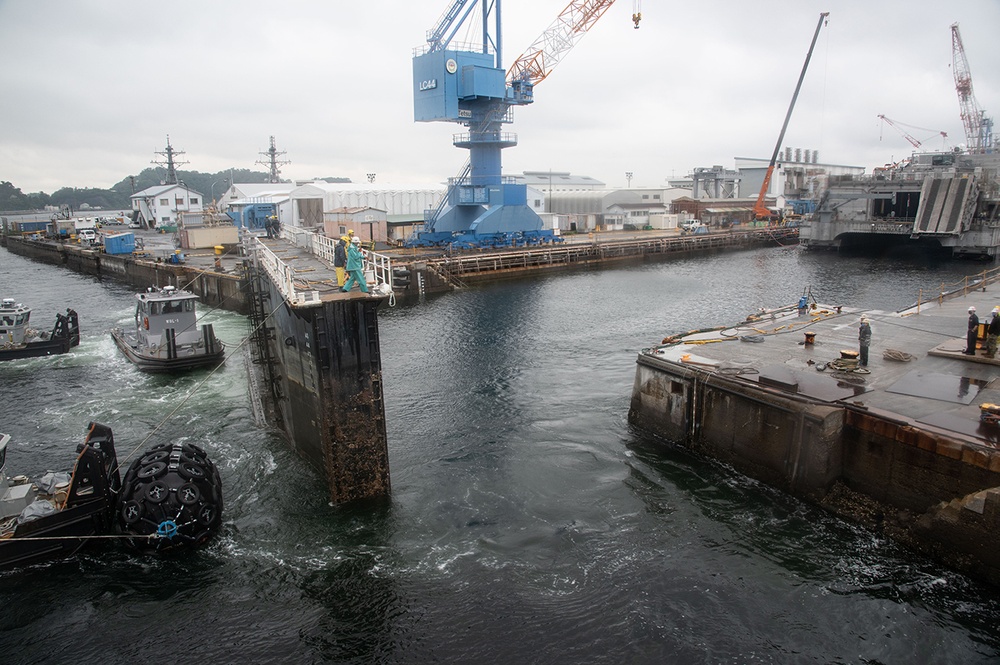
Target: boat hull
(49, 347)
(58, 536)
(178, 364)
(65, 335)
(86, 510)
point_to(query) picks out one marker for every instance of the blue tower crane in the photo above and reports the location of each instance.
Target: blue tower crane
(467, 84)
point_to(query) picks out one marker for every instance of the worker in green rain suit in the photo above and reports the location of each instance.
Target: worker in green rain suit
(355, 267)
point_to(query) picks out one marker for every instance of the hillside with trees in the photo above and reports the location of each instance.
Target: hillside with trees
(12, 199)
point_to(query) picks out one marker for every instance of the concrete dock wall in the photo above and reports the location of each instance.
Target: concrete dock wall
(784, 443)
(215, 289)
(445, 273)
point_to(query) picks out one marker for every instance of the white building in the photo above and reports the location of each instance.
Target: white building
(797, 175)
(159, 205)
(609, 209)
(239, 196)
(311, 200)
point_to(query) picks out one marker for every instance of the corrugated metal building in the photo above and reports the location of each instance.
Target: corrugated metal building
(311, 200)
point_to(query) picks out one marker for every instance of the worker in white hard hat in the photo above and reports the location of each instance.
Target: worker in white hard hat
(355, 266)
(864, 340)
(972, 334)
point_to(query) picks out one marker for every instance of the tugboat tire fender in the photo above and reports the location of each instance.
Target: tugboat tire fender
(152, 470)
(206, 515)
(191, 471)
(188, 494)
(156, 456)
(131, 512)
(157, 492)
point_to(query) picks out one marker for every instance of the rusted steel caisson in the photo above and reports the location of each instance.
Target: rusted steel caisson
(317, 368)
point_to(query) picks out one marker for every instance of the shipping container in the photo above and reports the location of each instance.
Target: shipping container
(119, 243)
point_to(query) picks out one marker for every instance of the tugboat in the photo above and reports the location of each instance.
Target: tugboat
(167, 337)
(55, 517)
(171, 499)
(18, 341)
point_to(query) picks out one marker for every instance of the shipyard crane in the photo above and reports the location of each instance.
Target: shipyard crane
(760, 211)
(898, 126)
(978, 127)
(469, 86)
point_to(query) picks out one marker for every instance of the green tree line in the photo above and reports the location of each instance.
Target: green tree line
(12, 199)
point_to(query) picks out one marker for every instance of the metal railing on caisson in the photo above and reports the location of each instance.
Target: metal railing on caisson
(259, 348)
(582, 253)
(281, 274)
(322, 247)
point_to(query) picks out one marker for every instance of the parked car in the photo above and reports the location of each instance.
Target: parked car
(87, 236)
(692, 227)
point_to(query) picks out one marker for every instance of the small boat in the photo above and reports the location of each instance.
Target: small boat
(56, 516)
(171, 499)
(167, 337)
(18, 341)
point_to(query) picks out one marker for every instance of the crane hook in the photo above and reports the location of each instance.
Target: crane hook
(636, 18)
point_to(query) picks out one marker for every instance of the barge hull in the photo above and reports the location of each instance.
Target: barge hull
(870, 447)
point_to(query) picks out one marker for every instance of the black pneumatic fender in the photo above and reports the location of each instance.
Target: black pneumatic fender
(171, 499)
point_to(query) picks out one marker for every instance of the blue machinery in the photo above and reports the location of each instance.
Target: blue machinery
(468, 85)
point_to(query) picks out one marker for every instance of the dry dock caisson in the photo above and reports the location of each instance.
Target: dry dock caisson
(899, 445)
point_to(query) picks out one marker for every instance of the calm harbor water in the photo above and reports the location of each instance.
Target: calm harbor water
(527, 522)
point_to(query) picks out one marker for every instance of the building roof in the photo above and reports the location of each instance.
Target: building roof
(351, 210)
(263, 188)
(321, 187)
(276, 199)
(560, 179)
(156, 190)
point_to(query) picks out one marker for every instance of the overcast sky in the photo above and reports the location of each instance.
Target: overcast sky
(89, 89)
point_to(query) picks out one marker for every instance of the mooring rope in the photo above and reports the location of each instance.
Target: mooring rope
(111, 536)
(196, 388)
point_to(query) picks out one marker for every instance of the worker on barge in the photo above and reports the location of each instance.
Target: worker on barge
(972, 333)
(992, 332)
(864, 340)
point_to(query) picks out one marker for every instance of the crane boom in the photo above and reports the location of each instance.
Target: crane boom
(555, 42)
(761, 212)
(467, 84)
(978, 128)
(448, 21)
(914, 142)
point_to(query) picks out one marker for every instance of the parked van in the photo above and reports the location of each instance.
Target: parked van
(87, 236)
